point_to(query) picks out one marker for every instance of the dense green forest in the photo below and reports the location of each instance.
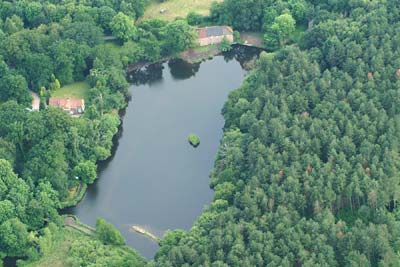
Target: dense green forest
(307, 173)
(307, 170)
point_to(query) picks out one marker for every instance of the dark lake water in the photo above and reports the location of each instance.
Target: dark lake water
(155, 179)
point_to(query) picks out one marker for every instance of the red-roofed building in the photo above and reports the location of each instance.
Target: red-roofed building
(74, 106)
(214, 35)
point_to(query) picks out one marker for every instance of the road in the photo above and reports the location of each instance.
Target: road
(71, 222)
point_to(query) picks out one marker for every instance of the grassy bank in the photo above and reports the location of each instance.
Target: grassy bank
(198, 54)
(177, 8)
(75, 195)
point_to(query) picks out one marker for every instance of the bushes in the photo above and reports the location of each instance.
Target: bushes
(108, 234)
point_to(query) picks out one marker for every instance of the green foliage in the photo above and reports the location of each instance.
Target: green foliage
(308, 164)
(14, 237)
(13, 24)
(283, 26)
(86, 171)
(194, 19)
(178, 36)
(13, 86)
(123, 27)
(84, 33)
(67, 247)
(236, 37)
(307, 170)
(194, 140)
(225, 45)
(254, 15)
(86, 253)
(108, 234)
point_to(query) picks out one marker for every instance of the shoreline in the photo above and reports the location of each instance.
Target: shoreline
(68, 205)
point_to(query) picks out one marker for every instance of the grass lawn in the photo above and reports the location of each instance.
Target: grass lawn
(73, 90)
(177, 8)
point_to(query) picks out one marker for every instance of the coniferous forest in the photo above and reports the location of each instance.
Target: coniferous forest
(307, 172)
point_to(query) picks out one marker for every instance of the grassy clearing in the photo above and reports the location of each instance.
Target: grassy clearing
(73, 90)
(60, 248)
(177, 8)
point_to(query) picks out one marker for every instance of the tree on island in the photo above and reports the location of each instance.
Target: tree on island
(194, 140)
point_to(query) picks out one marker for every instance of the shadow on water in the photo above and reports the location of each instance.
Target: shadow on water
(242, 54)
(151, 74)
(182, 70)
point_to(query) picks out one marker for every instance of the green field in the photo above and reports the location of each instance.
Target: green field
(73, 90)
(177, 8)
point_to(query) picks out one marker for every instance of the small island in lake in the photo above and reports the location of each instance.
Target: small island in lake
(194, 140)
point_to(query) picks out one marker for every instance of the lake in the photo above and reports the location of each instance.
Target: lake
(155, 178)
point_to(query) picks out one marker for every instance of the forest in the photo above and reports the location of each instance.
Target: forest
(307, 169)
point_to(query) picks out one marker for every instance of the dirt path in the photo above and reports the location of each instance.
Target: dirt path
(71, 222)
(35, 101)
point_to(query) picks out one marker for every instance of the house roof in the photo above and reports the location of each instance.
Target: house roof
(66, 102)
(214, 31)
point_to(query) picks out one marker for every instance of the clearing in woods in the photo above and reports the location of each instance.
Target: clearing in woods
(171, 9)
(73, 90)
